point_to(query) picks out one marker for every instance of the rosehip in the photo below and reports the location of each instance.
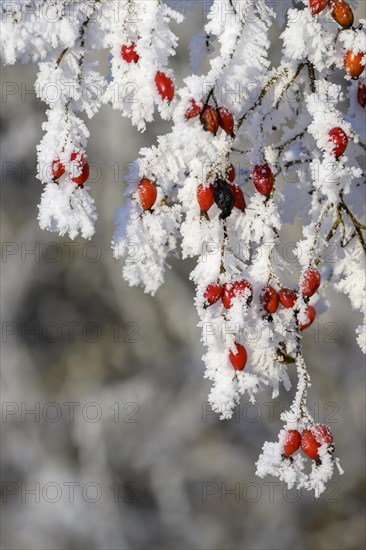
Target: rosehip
(84, 169)
(240, 203)
(353, 63)
(58, 169)
(342, 13)
(322, 434)
(340, 141)
(209, 119)
(308, 445)
(291, 442)
(224, 197)
(269, 299)
(361, 94)
(316, 6)
(129, 53)
(287, 297)
(238, 288)
(213, 293)
(230, 173)
(238, 359)
(147, 193)
(263, 179)
(311, 314)
(193, 111)
(205, 197)
(165, 86)
(226, 120)
(310, 282)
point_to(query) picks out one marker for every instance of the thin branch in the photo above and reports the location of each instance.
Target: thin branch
(259, 101)
(359, 227)
(289, 83)
(296, 162)
(339, 221)
(317, 228)
(61, 56)
(311, 71)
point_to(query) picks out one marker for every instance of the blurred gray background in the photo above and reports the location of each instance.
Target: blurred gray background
(122, 451)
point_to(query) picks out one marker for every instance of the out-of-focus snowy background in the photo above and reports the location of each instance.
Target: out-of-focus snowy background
(122, 451)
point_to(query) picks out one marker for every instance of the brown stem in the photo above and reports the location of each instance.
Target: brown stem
(285, 358)
(61, 56)
(359, 227)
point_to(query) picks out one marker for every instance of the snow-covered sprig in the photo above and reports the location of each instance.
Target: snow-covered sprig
(300, 439)
(66, 206)
(140, 49)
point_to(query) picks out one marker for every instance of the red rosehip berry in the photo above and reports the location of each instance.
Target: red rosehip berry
(361, 94)
(209, 119)
(83, 167)
(230, 173)
(269, 299)
(339, 139)
(310, 314)
(287, 297)
(147, 193)
(291, 442)
(309, 445)
(316, 6)
(238, 288)
(194, 110)
(353, 64)
(165, 86)
(263, 179)
(240, 203)
(58, 169)
(213, 293)
(226, 120)
(129, 53)
(239, 358)
(322, 434)
(342, 13)
(309, 282)
(205, 197)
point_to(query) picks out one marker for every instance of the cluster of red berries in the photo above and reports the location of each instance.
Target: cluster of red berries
(308, 440)
(164, 84)
(227, 195)
(215, 292)
(309, 284)
(58, 168)
(342, 13)
(262, 175)
(270, 300)
(211, 119)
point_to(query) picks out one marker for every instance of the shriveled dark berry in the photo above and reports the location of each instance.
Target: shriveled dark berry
(224, 197)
